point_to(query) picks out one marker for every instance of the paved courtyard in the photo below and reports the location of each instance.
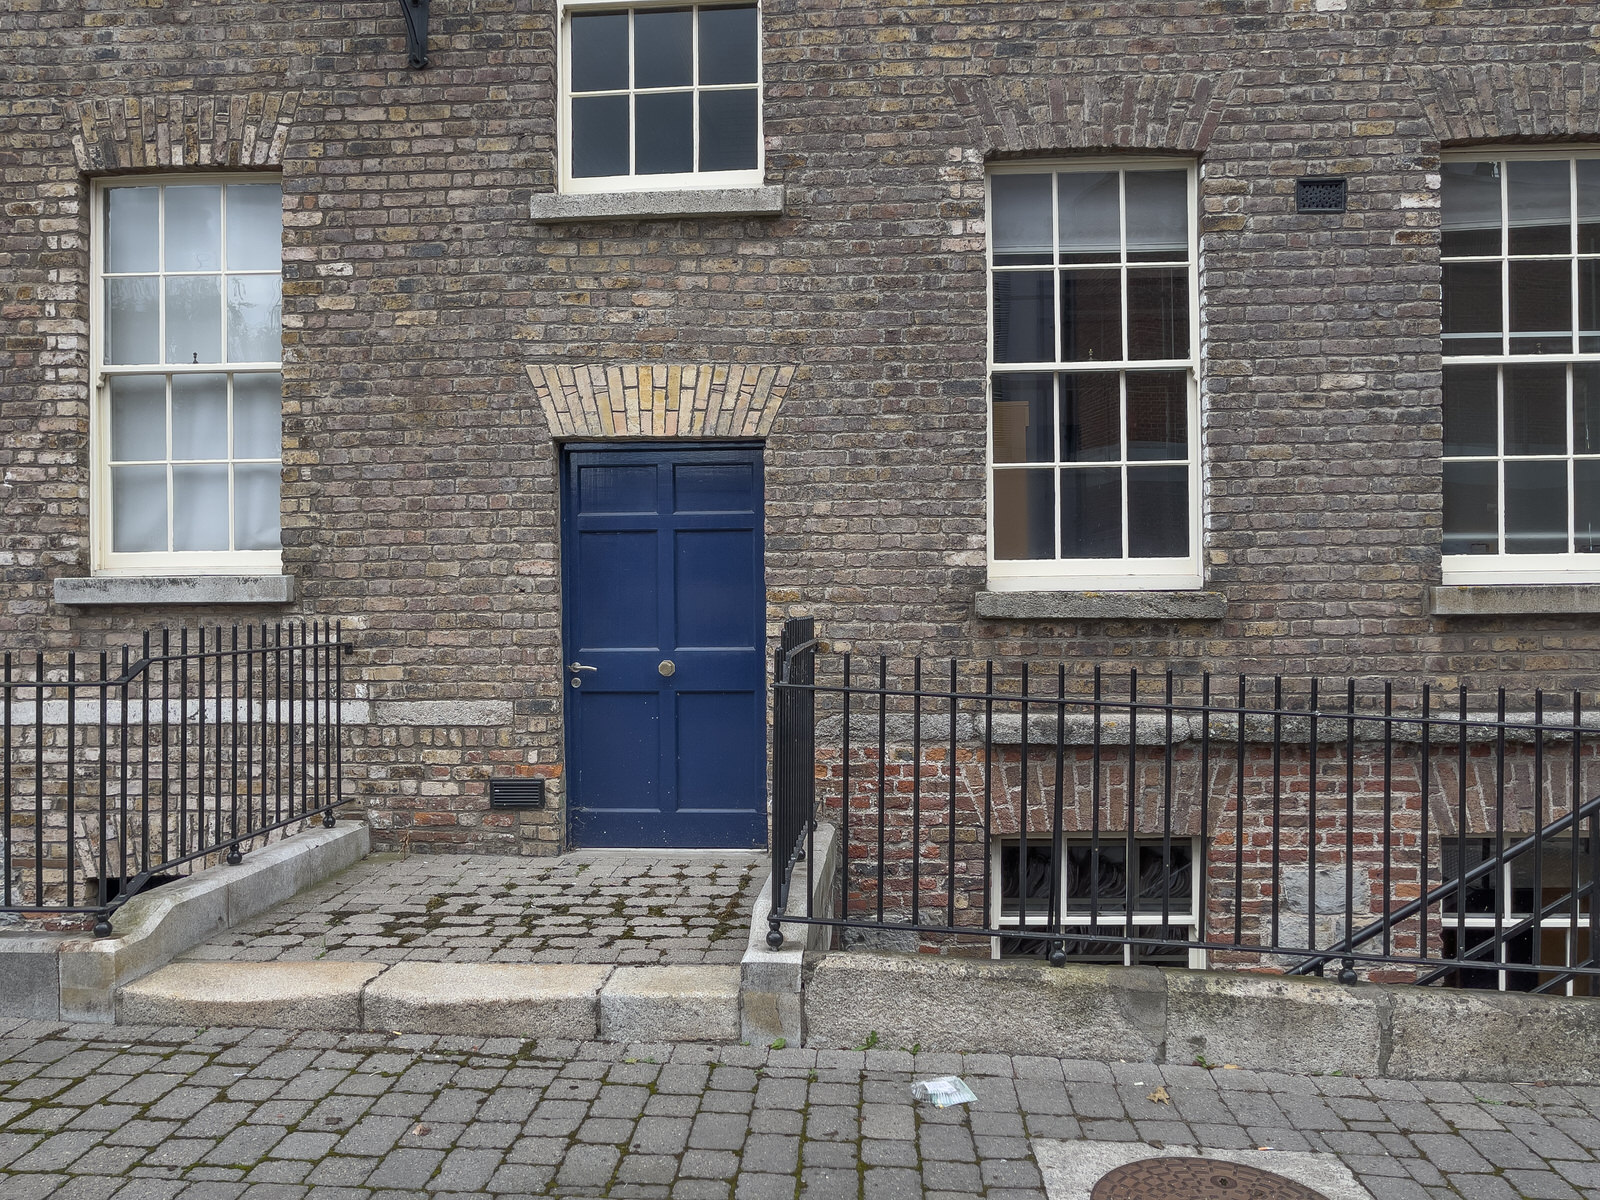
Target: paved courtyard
(596, 906)
(212, 1114)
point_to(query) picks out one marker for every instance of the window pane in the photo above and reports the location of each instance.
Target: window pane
(1158, 415)
(1091, 513)
(1539, 200)
(1586, 408)
(1158, 215)
(1536, 508)
(1589, 205)
(1091, 420)
(1158, 313)
(599, 49)
(1020, 219)
(138, 418)
(131, 238)
(727, 45)
(199, 416)
(200, 508)
(1024, 418)
(255, 227)
(194, 318)
(728, 130)
(1158, 512)
(1541, 303)
(1091, 316)
(133, 320)
(1470, 208)
(1089, 222)
(1536, 410)
(1471, 508)
(1024, 317)
(1023, 524)
(257, 416)
(1589, 305)
(255, 507)
(599, 136)
(138, 509)
(194, 229)
(1471, 411)
(663, 48)
(1471, 306)
(255, 318)
(664, 133)
(1586, 505)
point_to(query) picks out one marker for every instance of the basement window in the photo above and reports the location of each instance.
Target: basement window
(1090, 897)
(1495, 904)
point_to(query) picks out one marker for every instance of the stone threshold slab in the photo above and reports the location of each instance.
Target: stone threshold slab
(551, 1000)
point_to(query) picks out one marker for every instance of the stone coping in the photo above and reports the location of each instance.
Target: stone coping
(1164, 1015)
(1077, 728)
(75, 977)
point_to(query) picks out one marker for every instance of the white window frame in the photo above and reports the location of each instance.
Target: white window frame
(697, 180)
(1109, 915)
(104, 560)
(1009, 575)
(1507, 916)
(1502, 568)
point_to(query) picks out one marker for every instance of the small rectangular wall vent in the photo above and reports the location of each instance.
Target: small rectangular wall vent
(516, 793)
(1326, 195)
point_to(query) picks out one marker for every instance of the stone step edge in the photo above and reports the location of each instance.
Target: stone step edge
(697, 1003)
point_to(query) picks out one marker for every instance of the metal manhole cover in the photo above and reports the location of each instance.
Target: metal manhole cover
(1196, 1179)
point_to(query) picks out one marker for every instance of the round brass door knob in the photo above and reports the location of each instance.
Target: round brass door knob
(666, 666)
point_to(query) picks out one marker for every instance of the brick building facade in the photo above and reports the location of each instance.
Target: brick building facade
(461, 300)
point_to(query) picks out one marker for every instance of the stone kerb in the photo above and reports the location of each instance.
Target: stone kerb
(581, 1002)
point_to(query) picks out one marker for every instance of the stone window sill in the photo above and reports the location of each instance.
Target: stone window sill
(1101, 606)
(99, 590)
(550, 208)
(1492, 600)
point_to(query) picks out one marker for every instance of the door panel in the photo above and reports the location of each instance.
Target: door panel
(662, 553)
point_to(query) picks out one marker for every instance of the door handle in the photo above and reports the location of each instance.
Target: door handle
(575, 665)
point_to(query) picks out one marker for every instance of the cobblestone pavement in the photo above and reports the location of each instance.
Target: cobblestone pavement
(614, 907)
(93, 1112)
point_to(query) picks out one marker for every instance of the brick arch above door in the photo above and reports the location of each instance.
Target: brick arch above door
(687, 400)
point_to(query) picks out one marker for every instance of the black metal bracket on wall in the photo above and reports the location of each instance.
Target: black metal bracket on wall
(416, 15)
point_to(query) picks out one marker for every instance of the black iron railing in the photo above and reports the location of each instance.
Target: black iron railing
(1250, 823)
(793, 754)
(119, 769)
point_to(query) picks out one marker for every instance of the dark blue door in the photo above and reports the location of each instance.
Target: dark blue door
(665, 646)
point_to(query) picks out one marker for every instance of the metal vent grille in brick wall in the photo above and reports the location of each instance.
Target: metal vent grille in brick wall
(1320, 195)
(516, 793)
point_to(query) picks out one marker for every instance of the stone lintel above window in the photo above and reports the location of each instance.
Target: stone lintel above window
(101, 590)
(551, 208)
(1173, 605)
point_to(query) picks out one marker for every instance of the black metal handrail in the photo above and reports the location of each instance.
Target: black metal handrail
(189, 750)
(793, 749)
